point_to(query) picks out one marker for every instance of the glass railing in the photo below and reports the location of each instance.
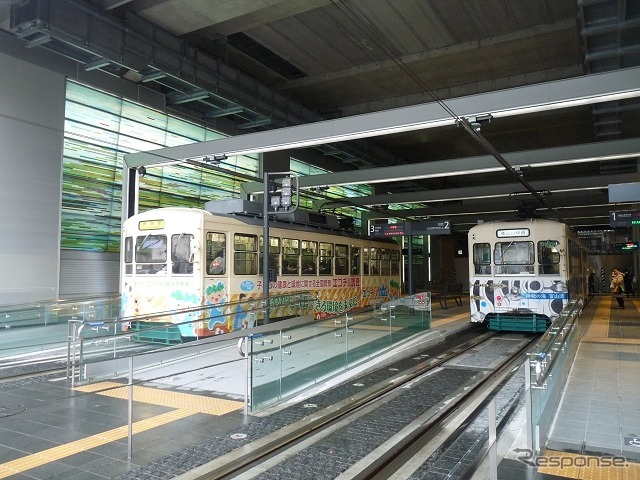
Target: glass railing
(124, 336)
(287, 360)
(43, 326)
(488, 435)
(106, 360)
(549, 369)
(178, 390)
(78, 330)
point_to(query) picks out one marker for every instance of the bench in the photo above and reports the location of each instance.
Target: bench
(444, 291)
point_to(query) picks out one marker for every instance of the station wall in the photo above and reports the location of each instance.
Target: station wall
(32, 116)
(31, 134)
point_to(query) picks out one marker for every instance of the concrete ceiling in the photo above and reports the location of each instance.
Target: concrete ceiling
(256, 65)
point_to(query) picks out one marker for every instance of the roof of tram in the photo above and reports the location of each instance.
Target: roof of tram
(449, 108)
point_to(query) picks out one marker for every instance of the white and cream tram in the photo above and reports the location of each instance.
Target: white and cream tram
(176, 258)
(523, 272)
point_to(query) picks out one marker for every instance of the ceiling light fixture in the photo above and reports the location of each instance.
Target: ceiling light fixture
(576, 102)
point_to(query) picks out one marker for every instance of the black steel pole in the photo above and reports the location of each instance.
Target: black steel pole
(410, 260)
(265, 247)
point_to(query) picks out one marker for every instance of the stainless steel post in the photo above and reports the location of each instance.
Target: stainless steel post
(130, 406)
(528, 403)
(265, 247)
(493, 457)
(245, 354)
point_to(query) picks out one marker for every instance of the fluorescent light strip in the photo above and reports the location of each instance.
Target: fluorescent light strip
(440, 123)
(482, 197)
(567, 103)
(343, 137)
(572, 161)
(445, 215)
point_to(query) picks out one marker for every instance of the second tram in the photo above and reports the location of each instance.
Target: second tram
(523, 272)
(179, 258)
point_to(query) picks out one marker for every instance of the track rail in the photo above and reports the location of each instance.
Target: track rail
(394, 458)
(255, 453)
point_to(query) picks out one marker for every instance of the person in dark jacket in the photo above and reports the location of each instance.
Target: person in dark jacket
(628, 283)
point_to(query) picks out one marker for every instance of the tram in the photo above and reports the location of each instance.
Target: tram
(522, 273)
(177, 258)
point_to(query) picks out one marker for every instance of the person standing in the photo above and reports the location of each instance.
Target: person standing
(628, 283)
(617, 286)
(592, 282)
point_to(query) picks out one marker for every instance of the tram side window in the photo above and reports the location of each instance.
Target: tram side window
(355, 260)
(513, 258)
(216, 253)
(342, 259)
(245, 255)
(290, 256)
(309, 257)
(482, 258)
(181, 253)
(374, 261)
(128, 255)
(326, 258)
(385, 262)
(274, 253)
(548, 257)
(151, 254)
(365, 261)
(395, 262)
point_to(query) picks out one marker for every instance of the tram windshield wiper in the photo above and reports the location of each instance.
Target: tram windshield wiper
(138, 247)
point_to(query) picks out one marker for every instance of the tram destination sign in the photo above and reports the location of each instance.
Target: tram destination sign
(430, 227)
(626, 218)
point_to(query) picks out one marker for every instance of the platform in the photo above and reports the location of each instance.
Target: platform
(596, 431)
(49, 430)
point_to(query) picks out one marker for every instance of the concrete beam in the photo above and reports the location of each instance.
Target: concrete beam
(592, 152)
(588, 89)
(484, 191)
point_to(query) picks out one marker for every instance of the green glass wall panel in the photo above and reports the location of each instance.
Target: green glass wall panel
(333, 192)
(100, 129)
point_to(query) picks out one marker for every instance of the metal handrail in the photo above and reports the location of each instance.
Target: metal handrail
(77, 327)
(557, 336)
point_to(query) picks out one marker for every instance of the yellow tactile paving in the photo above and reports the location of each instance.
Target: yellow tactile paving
(56, 453)
(599, 327)
(585, 467)
(184, 403)
(165, 398)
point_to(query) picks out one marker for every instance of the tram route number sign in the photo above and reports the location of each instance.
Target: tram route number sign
(431, 227)
(627, 218)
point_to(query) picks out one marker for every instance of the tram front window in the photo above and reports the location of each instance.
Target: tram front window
(514, 258)
(151, 255)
